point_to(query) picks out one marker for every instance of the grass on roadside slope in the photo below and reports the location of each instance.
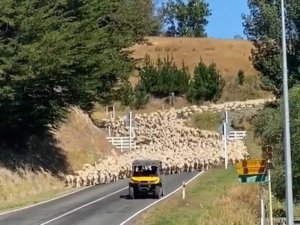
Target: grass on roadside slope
(206, 121)
(23, 188)
(216, 198)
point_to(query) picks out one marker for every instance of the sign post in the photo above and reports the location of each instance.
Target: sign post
(258, 171)
(225, 144)
(130, 128)
(267, 154)
(262, 208)
(270, 198)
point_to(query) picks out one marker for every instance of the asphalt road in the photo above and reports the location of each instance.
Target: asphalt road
(98, 205)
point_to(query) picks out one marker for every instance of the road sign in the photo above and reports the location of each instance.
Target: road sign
(251, 170)
(260, 178)
(251, 163)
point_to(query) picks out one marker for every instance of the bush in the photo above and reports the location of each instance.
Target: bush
(206, 85)
(241, 77)
(126, 94)
(269, 127)
(141, 97)
(164, 78)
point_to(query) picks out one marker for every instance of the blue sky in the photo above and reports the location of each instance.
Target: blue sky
(225, 21)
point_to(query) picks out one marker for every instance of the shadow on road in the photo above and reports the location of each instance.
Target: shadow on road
(144, 196)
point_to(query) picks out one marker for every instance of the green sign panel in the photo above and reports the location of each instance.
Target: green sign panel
(258, 178)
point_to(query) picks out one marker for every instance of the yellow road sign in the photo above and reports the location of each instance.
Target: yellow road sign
(251, 170)
(251, 163)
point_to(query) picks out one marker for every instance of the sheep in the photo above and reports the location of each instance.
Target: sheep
(163, 135)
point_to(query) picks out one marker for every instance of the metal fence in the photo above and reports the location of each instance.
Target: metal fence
(122, 143)
(236, 135)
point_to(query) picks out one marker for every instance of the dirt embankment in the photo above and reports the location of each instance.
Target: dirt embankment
(36, 174)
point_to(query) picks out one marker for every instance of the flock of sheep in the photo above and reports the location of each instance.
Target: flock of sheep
(163, 135)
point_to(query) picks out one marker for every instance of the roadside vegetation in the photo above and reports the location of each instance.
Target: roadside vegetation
(23, 187)
(206, 121)
(44, 72)
(215, 198)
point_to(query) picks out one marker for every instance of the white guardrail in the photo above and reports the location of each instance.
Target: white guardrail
(236, 135)
(122, 143)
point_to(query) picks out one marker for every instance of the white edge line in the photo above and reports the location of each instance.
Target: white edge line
(40, 203)
(83, 206)
(154, 203)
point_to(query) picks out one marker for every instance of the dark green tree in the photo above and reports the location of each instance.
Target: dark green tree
(164, 77)
(54, 54)
(269, 127)
(186, 19)
(207, 83)
(263, 28)
(141, 97)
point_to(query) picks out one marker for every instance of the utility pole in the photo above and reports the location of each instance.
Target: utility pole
(287, 144)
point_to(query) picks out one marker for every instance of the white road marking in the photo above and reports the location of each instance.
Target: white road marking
(40, 203)
(83, 206)
(147, 207)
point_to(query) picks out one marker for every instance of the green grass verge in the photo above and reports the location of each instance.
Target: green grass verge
(206, 121)
(215, 198)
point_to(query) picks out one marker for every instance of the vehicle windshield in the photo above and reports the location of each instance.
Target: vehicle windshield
(145, 171)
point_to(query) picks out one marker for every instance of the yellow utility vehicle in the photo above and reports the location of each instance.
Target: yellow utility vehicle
(146, 179)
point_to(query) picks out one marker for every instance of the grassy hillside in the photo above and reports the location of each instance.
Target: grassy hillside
(38, 174)
(78, 142)
(229, 55)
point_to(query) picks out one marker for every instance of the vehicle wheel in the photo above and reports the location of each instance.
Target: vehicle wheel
(157, 192)
(131, 193)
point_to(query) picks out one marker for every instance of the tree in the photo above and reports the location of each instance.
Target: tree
(207, 83)
(186, 19)
(269, 127)
(263, 28)
(150, 9)
(164, 77)
(54, 54)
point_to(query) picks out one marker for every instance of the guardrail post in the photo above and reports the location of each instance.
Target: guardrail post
(183, 190)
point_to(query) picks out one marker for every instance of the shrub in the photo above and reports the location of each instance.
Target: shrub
(206, 85)
(241, 77)
(164, 78)
(126, 94)
(141, 97)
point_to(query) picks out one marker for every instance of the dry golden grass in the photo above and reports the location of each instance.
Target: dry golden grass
(82, 141)
(78, 140)
(229, 55)
(24, 187)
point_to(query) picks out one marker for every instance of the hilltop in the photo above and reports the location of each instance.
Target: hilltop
(230, 56)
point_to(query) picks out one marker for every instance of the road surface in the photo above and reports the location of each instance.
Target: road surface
(98, 205)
